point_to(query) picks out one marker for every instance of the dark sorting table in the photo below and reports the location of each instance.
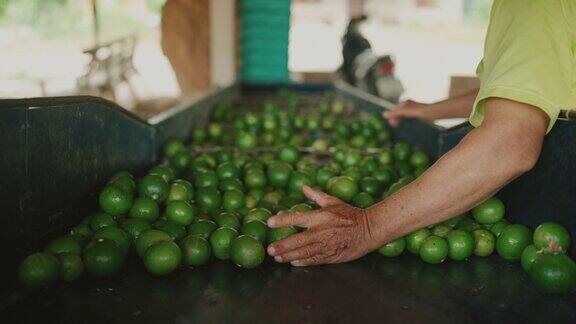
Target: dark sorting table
(54, 176)
(400, 290)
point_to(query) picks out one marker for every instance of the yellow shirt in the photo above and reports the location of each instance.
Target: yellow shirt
(530, 56)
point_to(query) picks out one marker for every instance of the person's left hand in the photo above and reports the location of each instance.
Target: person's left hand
(335, 233)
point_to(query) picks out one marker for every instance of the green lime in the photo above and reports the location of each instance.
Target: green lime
(125, 183)
(172, 146)
(71, 266)
(116, 235)
(102, 257)
(484, 242)
(419, 159)
(460, 245)
(208, 199)
(302, 207)
(246, 141)
(393, 248)
(498, 227)
(323, 176)
(257, 193)
(162, 258)
(100, 220)
(202, 228)
(554, 273)
(227, 170)
(528, 257)
(148, 238)
(206, 179)
(144, 208)
(273, 197)
(81, 239)
(82, 229)
(512, 241)
(153, 186)
(247, 252)
(297, 180)
(227, 219)
(434, 249)
(181, 160)
(279, 174)
(371, 185)
(181, 212)
(414, 240)
(489, 212)
(256, 229)
(401, 183)
(419, 170)
(233, 200)
(180, 190)
(441, 230)
(196, 250)
(220, 241)
(280, 233)
(289, 154)
(403, 168)
(63, 245)
(164, 171)
(352, 158)
(230, 184)
(353, 173)
(260, 214)
(385, 157)
(255, 178)
(549, 232)
(343, 188)
(175, 230)
(452, 222)
(134, 227)
(384, 176)
(38, 270)
(467, 224)
(115, 201)
(363, 200)
(401, 151)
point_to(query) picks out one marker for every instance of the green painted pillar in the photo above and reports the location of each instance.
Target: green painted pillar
(264, 40)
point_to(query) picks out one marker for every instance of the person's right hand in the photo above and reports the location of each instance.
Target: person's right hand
(408, 109)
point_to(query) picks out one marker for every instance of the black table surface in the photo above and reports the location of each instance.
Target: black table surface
(399, 290)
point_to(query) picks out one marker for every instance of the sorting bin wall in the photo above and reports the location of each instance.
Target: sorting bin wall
(55, 152)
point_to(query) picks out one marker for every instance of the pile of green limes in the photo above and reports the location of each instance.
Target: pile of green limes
(212, 199)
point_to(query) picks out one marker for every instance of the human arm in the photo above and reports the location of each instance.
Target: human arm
(506, 145)
(456, 107)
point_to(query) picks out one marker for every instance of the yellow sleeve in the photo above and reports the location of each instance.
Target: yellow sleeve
(528, 57)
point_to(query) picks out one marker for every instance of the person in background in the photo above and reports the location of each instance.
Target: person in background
(186, 43)
(353, 44)
(527, 75)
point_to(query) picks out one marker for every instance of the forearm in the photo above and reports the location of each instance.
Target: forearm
(487, 159)
(456, 107)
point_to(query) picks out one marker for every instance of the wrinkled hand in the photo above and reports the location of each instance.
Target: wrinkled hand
(335, 233)
(408, 109)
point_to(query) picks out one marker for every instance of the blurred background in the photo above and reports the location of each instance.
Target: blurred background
(48, 47)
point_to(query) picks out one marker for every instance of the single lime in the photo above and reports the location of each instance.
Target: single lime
(247, 252)
(38, 270)
(162, 258)
(220, 241)
(196, 250)
(71, 266)
(393, 248)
